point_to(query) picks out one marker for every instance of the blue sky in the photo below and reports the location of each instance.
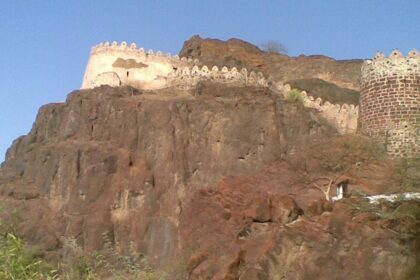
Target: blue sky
(45, 43)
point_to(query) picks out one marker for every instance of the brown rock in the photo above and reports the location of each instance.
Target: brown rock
(195, 261)
(260, 210)
(235, 267)
(284, 209)
(117, 162)
(315, 208)
(182, 176)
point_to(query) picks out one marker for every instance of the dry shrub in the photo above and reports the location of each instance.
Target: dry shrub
(408, 172)
(336, 154)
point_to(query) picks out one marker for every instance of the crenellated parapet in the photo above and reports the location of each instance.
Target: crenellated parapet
(125, 64)
(187, 76)
(132, 65)
(136, 52)
(121, 64)
(342, 117)
(395, 64)
(390, 101)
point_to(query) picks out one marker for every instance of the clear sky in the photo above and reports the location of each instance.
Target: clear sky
(45, 43)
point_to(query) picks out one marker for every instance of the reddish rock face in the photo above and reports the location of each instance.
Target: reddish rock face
(217, 180)
(259, 210)
(124, 163)
(284, 209)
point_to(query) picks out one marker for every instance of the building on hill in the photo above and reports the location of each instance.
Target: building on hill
(390, 102)
(122, 64)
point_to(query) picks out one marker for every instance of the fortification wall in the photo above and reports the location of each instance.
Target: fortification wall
(132, 65)
(343, 118)
(390, 101)
(188, 77)
(121, 64)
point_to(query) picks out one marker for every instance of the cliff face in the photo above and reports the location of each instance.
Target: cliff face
(217, 180)
(122, 161)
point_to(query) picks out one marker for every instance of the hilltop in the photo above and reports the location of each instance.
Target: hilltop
(340, 77)
(214, 181)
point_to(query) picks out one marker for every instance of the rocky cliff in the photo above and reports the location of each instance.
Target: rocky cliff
(213, 182)
(217, 182)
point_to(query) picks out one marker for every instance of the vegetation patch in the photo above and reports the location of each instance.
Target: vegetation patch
(294, 96)
(402, 217)
(326, 91)
(337, 154)
(17, 262)
(408, 173)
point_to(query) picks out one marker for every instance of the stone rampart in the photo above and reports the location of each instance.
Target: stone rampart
(390, 101)
(343, 117)
(122, 64)
(133, 66)
(188, 77)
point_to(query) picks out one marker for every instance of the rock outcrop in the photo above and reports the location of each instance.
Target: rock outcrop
(132, 158)
(212, 180)
(280, 67)
(222, 179)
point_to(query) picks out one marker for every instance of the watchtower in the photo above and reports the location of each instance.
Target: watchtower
(390, 102)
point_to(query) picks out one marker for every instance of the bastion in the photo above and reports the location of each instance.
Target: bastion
(126, 65)
(122, 64)
(390, 102)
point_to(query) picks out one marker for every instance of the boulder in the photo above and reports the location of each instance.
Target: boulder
(284, 209)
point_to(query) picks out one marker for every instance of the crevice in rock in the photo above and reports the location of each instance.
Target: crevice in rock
(78, 164)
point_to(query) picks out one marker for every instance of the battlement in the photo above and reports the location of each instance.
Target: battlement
(187, 76)
(395, 64)
(133, 50)
(117, 64)
(125, 64)
(390, 97)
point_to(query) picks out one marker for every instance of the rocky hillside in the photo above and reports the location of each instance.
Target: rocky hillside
(213, 183)
(338, 76)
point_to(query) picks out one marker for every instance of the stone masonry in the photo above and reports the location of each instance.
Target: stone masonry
(390, 102)
(125, 64)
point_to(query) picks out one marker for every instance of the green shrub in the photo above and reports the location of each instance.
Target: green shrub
(294, 95)
(108, 264)
(18, 263)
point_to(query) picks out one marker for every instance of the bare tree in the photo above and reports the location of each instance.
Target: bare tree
(274, 47)
(331, 182)
(327, 191)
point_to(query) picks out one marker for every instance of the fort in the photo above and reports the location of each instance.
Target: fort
(389, 101)
(122, 64)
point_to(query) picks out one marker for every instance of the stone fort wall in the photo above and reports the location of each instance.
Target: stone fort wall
(344, 118)
(390, 102)
(122, 64)
(188, 77)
